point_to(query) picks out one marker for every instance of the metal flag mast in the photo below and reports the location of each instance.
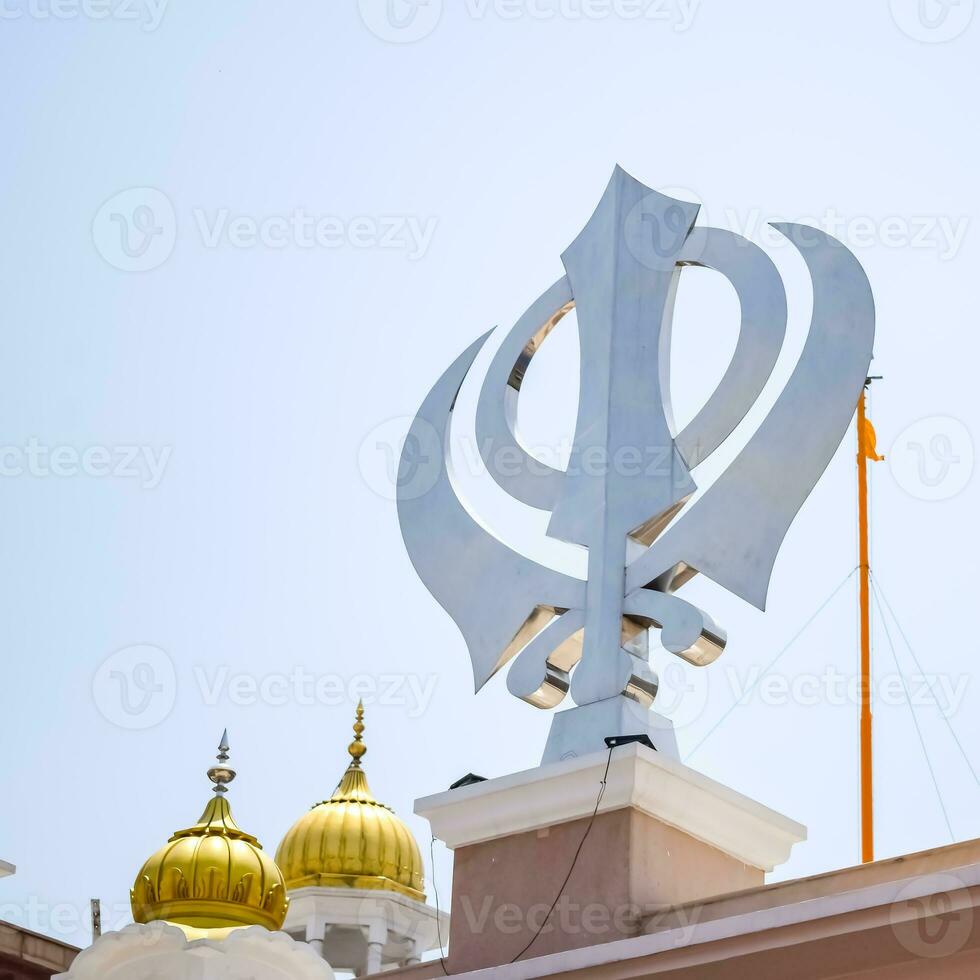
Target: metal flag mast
(866, 450)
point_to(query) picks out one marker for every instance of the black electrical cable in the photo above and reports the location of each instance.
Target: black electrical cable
(578, 851)
(435, 892)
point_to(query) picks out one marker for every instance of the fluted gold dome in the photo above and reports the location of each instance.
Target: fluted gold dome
(352, 840)
(212, 875)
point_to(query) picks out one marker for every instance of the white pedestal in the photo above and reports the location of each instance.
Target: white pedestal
(639, 778)
(663, 835)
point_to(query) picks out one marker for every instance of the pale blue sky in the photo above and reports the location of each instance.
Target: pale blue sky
(420, 193)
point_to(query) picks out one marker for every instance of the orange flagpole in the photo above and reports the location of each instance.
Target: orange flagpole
(867, 782)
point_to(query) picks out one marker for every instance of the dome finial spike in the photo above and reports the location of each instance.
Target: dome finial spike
(222, 774)
(357, 748)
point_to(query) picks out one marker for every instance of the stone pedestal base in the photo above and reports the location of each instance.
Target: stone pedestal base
(663, 835)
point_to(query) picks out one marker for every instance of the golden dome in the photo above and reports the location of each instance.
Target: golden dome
(352, 840)
(212, 875)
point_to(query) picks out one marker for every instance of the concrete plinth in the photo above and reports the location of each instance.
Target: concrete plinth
(663, 835)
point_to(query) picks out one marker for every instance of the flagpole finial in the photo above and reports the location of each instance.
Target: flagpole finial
(357, 748)
(221, 774)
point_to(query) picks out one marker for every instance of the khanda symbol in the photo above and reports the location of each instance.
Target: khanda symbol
(643, 544)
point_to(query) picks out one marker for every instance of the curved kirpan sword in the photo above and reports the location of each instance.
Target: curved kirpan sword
(622, 274)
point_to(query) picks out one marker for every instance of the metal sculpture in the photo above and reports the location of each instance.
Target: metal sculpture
(629, 473)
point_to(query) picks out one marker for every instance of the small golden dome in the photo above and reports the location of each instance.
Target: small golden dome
(352, 840)
(212, 875)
